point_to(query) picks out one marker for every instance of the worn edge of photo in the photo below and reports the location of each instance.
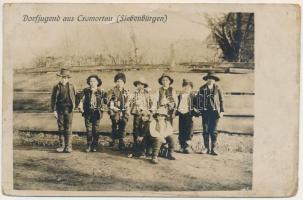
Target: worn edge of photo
(290, 191)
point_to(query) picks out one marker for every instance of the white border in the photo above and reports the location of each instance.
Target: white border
(300, 188)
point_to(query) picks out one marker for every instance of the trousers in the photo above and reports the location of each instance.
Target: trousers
(92, 122)
(185, 129)
(210, 121)
(118, 128)
(156, 143)
(64, 121)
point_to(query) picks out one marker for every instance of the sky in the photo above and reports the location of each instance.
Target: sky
(185, 28)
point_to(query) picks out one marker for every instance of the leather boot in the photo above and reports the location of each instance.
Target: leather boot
(155, 160)
(60, 149)
(89, 143)
(170, 155)
(213, 145)
(68, 142)
(121, 145)
(95, 142)
(206, 149)
(186, 150)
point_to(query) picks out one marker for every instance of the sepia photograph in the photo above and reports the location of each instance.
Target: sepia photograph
(131, 98)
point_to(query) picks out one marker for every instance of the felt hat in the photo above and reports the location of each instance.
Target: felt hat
(211, 75)
(165, 75)
(64, 73)
(141, 81)
(96, 77)
(121, 76)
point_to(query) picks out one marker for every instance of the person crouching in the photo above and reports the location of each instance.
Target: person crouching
(141, 142)
(91, 106)
(161, 131)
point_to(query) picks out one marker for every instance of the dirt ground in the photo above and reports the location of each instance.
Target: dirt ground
(41, 168)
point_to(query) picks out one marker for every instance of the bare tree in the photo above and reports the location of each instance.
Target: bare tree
(133, 39)
(234, 33)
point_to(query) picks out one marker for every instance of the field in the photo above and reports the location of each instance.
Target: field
(38, 167)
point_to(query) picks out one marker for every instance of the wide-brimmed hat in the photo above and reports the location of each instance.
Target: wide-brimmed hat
(187, 82)
(96, 77)
(121, 76)
(211, 75)
(165, 75)
(162, 111)
(64, 73)
(141, 81)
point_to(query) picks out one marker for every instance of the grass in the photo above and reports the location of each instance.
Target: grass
(226, 143)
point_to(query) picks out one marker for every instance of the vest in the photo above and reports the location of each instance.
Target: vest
(168, 93)
(101, 101)
(54, 98)
(119, 98)
(146, 105)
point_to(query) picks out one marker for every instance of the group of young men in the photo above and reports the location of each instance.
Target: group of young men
(153, 113)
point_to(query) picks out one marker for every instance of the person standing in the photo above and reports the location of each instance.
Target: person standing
(166, 96)
(186, 111)
(92, 105)
(210, 105)
(118, 99)
(62, 105)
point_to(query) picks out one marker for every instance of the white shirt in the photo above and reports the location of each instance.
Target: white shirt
(183, 106)
(93, 100)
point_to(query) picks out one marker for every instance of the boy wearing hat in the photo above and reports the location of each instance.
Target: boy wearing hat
(186, 111)
(161, 131)
(119, 110)
(141, 102)
(210, 105)
(62, 105)
(91, 106)
(166, 96)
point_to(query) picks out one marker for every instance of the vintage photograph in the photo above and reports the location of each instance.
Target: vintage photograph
(142, 97)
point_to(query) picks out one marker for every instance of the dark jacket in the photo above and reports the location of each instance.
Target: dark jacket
(101, 100)
(121, 103)
(144, 129)
(55, 93)
(201, 99)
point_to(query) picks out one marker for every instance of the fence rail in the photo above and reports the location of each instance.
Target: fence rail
(32, 106)
(48, 92)
(237, 104)
(45, 122)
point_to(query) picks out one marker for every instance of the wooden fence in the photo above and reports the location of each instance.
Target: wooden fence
(31, 113)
